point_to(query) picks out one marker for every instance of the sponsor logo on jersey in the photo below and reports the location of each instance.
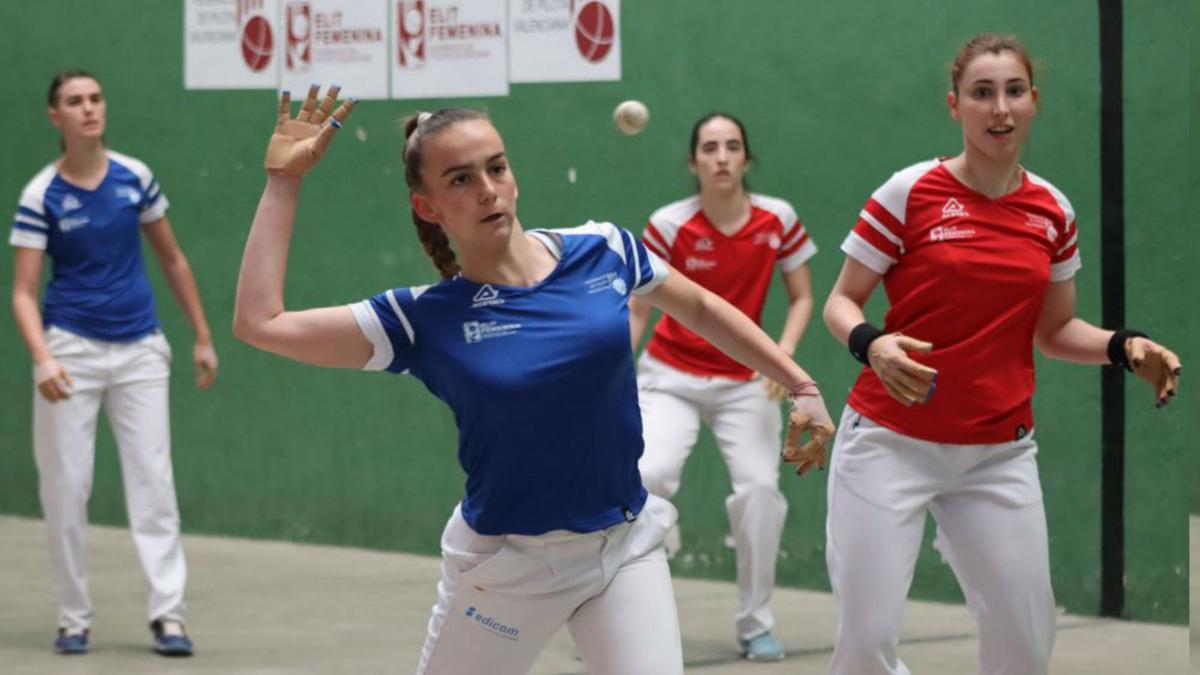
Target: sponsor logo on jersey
(699, 264)
(704, 244)
(70, 203)
(486, 296)
(1040, 222)
(953, 209)
(769, 238)
(126, 192)
(949, 232)
(68, 224)
(606, 282)
(491, 624)
(478, 331)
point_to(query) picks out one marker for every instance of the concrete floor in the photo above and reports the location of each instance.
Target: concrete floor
(271, 608)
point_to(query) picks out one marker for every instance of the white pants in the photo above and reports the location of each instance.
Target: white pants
(747, 426)
(130, 381)
(501, 598)
(987, 503)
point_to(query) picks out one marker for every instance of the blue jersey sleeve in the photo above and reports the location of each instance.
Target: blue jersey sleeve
(384, 321)
(32, 223)
(645, 269)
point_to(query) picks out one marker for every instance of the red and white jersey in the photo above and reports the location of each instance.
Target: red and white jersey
(969, 274)
(737, 268)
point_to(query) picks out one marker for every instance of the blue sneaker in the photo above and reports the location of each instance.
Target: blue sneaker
(170, 638)
(72, 642)
(762, 648)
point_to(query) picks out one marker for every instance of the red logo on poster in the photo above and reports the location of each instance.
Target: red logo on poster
(594, 31)
(410, 25)
(299, 36)
(256, 43)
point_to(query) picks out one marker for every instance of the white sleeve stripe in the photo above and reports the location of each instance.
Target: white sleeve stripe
(1070, 242)
(881, 228)
(794, 236)
(29, 220)
(861, 250)
(27, 239)
(372, 329)
(801, 256)
(1065, 269)
(659, 272)
(637, 261)
(655, 248)
(408, 329)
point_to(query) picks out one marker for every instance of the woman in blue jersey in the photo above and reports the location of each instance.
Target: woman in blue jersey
(526, 338)
(96, 341)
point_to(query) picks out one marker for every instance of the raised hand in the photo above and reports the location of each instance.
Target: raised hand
(906, 380)
(1155, 365)
(298, 144)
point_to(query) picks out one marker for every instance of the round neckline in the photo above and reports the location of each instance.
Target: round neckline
(1020, 188)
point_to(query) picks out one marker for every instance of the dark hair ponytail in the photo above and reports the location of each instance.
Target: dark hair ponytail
(416, 129)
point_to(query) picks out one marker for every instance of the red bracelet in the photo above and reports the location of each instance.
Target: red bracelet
(803, 388)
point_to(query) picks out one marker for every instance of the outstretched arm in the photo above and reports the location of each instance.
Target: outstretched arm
(328, 336)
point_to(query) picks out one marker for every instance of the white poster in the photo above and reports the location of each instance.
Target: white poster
(564, 40)
(446, 48)
(335, 42)
(231, 44)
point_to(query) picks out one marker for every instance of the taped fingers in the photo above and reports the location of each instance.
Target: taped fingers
(310, 103)
(334, 123)
(285, 105)
(327, 104)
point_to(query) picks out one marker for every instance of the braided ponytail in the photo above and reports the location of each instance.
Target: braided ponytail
(417, 128)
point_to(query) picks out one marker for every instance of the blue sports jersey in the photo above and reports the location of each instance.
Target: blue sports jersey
(540, 380)
(98, 286)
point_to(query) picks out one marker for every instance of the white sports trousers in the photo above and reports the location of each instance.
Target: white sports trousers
(502, 598)
(987, 503)
(130, 380)
(747, 426)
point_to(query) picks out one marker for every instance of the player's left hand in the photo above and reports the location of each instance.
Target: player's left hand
(1155, 365)
(775, 391)
(808, 416)
(204, 358)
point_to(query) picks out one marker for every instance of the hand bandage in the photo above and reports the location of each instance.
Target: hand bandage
(808, 415)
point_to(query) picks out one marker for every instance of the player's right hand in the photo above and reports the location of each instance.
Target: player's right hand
(52, 380)
(906, 380)
(298, 144)
(808, 416)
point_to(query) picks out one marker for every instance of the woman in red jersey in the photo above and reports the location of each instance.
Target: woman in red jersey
(977, 256)
(729, 241)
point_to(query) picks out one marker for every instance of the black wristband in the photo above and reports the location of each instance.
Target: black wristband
(1116, 347)
(860, 340)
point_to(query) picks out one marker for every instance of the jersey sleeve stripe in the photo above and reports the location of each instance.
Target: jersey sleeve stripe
(157, 209)
(802, 255)
(637, 261)
(877, 239)
(27, 239)
(1061, 271)
(882, 221)
(863, 251)
(789, 249)
(1070, 242)
(658, 274)
(793, 235)
(408, 329)
(372, 329)
(656, 241)
(29, 222)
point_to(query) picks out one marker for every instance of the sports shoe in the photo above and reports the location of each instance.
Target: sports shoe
(71, 641)
(762, 648)
(170, 638)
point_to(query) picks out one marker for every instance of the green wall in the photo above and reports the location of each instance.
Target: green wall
(835, 98)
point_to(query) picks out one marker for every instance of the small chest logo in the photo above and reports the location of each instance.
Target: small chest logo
(605, 282)
(949, 232)
(699, 264)
(478, 331)
(129, 194)
(70, 203)
(953, 209)
(705, 244)
(771, 239)
(486, 296)
(1039, 222)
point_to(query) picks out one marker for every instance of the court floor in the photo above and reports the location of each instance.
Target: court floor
(274, 608)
